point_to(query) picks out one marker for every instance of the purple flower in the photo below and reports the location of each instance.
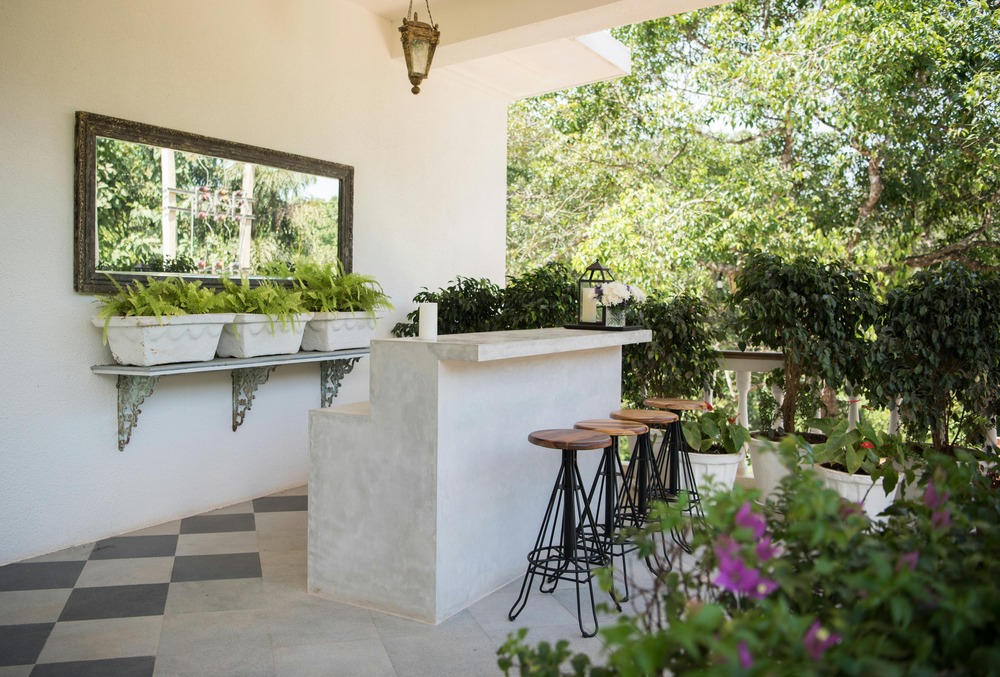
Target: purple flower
(765, 550)
(908, 560)
(746, 660)
(735, 576)
(941, 519)
(725, 546)
(933, 499)
(818, 639)
(747, 519)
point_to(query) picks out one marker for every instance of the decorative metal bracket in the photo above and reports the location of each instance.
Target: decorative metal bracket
(245, 384)
(331, 375)
(132, 390)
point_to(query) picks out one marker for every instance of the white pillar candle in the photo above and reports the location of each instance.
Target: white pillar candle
(428, 321)
(588, 305)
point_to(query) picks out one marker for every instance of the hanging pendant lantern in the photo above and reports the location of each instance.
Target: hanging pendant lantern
(419, 42)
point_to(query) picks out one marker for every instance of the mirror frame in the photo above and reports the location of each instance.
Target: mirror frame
(89, 126)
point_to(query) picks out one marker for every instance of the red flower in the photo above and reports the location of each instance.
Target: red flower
(867, 445)
(709, 406)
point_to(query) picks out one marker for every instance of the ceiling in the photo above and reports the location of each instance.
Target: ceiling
(521, 48)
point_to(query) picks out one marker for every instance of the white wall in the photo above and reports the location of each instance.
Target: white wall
(312, 77)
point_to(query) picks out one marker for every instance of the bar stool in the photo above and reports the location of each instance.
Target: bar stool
(560, 553)
(614, 507)
(672, 457)
(643, 472)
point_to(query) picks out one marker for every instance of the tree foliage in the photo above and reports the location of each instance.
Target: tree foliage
(863, 129)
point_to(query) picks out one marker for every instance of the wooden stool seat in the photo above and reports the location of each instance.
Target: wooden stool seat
(569, 439)
(676, 404)
(650, 417)
(610, 426)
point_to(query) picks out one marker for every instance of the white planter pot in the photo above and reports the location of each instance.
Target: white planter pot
(714, 472)
(339, 331)
(859, 489)
(148, 341)
(251, 335)
(768, 470)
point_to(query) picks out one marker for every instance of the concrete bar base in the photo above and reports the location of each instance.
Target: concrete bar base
(430, 498)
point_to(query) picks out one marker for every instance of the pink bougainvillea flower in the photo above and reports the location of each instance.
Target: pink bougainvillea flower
(867, 445)
(766, 550)
(746, 518)
(908, 560)
(933, 499)
(725, 546)
(818, 639)
(735, 576)
(941, 519)
(746, 659)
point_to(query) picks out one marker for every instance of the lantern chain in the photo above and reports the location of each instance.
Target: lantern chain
(409, 13)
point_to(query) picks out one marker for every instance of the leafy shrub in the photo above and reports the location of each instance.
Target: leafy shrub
(543, 297)
(809, 586)
(817, 314)
(467, 305)
(938, 346)
(680, 361)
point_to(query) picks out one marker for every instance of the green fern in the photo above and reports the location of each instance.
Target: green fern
(326, 288)
(267, 298)
(157, 298)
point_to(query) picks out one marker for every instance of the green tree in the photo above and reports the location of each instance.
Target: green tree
(866, 130)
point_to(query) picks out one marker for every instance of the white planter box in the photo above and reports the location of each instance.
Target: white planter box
(148, 341)
(714, 472)
(339, 331)
(251, 335)
(859, 489)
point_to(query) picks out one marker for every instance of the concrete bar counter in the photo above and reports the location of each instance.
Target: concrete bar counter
(428, 497)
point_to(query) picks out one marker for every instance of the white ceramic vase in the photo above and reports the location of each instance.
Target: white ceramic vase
(339, 331)
(715, 472)
(859, 489)
(252, 335)
(148, 341)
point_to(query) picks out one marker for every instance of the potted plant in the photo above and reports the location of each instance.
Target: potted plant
(936, 348)
(680, 361)
(716, 448)
(162, 321)
(269, 319)
(861, 463)
(344, 305)
(817, 314)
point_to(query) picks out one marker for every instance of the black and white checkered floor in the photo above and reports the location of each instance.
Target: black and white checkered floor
(224, 593)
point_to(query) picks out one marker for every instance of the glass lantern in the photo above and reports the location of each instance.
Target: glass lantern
(591, 312)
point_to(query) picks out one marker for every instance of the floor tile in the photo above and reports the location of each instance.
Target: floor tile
(138, 666)
(280, 503)
(243, 507)
(67, 555)
(216, 567)
(211, 524)
(166, 529)
(284, 563)
(340, 659)
(101, 639)
(116, 601)
(223, 643)
(21, 644)
(225, 595)
(317, 621)
(15, 670)
(128, 571)
(126, 547)
(40, 575)
(217, 544)
(268, 522)
(32, 606)
(540, 610)
(456, 648)
(282, 540)
(294, 491)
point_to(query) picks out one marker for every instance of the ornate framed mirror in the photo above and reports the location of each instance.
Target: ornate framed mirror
(154, 201)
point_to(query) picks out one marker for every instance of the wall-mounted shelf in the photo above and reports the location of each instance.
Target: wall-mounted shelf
(135, 384)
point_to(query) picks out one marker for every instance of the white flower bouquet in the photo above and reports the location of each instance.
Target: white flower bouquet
(618, 294)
